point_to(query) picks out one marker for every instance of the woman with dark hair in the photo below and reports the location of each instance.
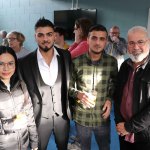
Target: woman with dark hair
(80, 45)
(17, 124)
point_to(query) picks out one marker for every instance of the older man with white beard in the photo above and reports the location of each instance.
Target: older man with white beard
(132, 96)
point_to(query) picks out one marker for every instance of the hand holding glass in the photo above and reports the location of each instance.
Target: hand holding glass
(89, 99)
(92, 95)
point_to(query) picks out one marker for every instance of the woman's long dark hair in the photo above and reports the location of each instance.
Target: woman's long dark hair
(84, 24)
(9, 50)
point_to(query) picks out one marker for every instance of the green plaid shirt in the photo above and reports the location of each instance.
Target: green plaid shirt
(87, 75)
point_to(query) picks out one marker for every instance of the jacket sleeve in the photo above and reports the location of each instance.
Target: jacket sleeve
(139, 122)
(78, 49)
(112, 80)
(33, 135)
(72, 89)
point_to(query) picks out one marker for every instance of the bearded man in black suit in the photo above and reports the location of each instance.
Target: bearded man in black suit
(46, 72)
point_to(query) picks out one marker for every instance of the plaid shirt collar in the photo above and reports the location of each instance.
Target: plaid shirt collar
(90, 62)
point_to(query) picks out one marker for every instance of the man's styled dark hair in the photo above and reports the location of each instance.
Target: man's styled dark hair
(98, 27)
(42, 22)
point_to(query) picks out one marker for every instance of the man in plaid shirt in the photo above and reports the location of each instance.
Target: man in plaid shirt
(95, 72)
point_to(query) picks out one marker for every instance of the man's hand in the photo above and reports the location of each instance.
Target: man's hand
(115, 39)
(84, 100)
(106, 109)
(121, 129)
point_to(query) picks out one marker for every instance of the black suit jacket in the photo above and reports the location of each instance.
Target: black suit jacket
(28, 67)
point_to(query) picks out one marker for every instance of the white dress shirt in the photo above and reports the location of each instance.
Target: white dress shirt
(48, 73)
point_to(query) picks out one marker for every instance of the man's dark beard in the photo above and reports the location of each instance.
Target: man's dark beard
(97, 53)
(46, 49)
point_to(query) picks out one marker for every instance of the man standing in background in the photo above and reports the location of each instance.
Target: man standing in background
(116, 45)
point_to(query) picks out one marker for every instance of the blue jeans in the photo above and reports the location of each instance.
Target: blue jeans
(101, 133)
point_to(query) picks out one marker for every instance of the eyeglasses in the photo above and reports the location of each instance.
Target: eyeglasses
(10, 65)
(140, 43)
(11, 39)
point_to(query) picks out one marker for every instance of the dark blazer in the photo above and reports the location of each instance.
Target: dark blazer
(29, 70)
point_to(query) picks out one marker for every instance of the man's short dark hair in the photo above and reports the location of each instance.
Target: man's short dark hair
(98, 27)
(60, 30)
(42, 22)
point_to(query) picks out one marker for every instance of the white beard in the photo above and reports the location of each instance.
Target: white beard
(139, 57)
